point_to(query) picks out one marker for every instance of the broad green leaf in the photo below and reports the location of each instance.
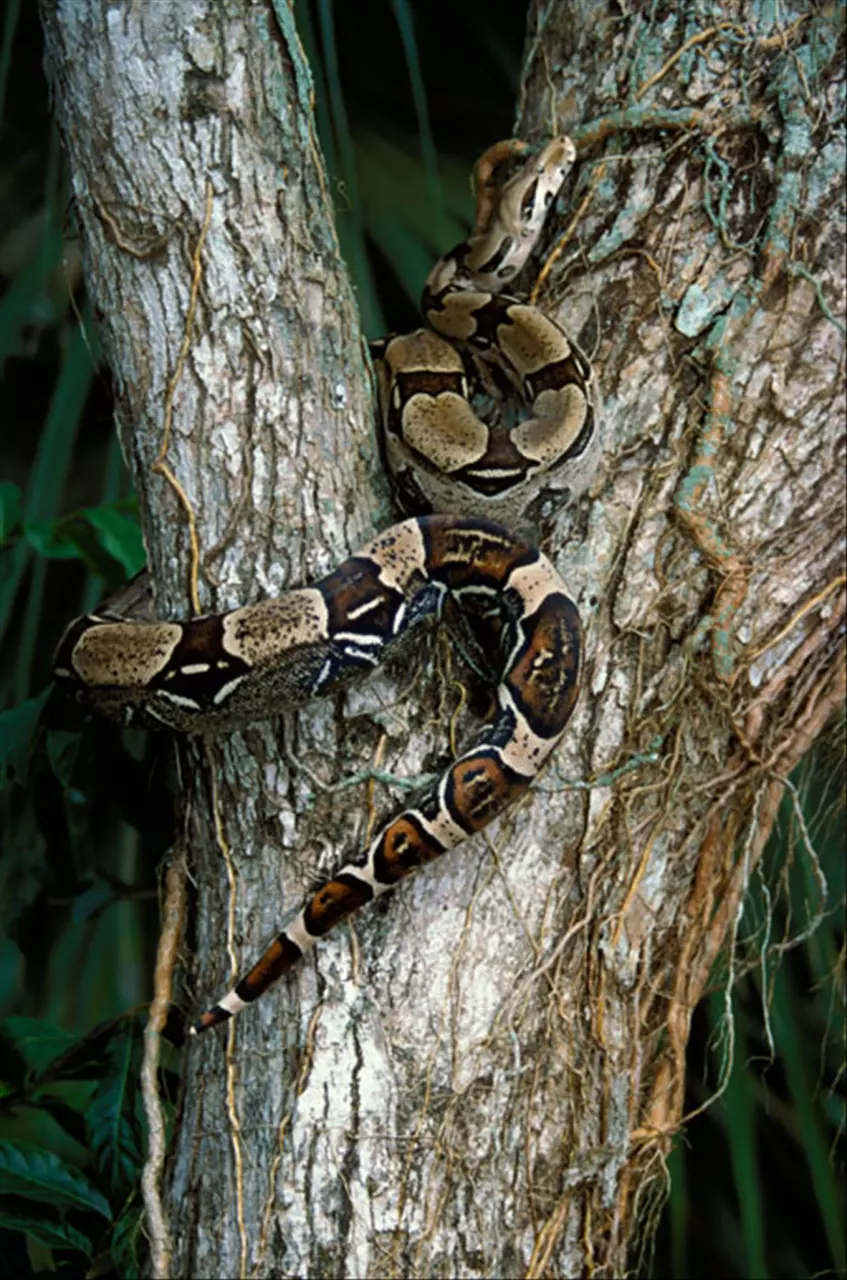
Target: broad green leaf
(106, 538)
(38, 1122)
(85, 1057)
(119, 534)
(109, 1119)
(53, 539)
(38, 1042)
(68, 1111)
(10, 508)
(51, 1232)
(39, 1175)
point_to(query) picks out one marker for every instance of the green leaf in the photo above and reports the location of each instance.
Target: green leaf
(127, 1242)
(39, 1175)
(106, 538)
(38, 1042)
(119, 534)
(69, 1118)
(10, 509)
(47, 1231)
(85, 1057)
(53, 539)
(17, 728)
(110, 1117)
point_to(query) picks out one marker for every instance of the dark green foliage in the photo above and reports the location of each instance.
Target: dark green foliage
(109, 1120)
(71, 1141)
(29, 1173)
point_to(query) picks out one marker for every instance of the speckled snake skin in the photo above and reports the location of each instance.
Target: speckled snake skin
(216, 673)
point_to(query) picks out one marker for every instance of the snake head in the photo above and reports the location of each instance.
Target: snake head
(511, 211)
(525, 199)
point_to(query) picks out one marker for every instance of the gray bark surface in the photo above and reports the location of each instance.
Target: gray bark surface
(481, 1075)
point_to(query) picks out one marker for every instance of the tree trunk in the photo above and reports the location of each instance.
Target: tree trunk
(481, 1075)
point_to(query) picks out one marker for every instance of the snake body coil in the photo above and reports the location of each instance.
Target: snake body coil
(217, 673)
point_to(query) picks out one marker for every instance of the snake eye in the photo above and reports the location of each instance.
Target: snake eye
(528, 203)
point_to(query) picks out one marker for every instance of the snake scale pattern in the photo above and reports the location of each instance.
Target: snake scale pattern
(217, 673)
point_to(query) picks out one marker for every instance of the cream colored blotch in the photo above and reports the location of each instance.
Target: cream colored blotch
(457, 318)
(445, 430)
(531, 340)
(401, 554)
(423, 352)
(535, 581)
(124, 653)
(258, 633)
(546, 438)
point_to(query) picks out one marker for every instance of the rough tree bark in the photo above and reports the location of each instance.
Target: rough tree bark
(483, 1075)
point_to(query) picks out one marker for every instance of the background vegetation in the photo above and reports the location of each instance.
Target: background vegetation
(757, 1183)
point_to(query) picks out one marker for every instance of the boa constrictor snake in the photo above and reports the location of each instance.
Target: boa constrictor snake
(219, 672)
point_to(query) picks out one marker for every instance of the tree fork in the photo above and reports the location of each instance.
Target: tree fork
(485, 1076)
